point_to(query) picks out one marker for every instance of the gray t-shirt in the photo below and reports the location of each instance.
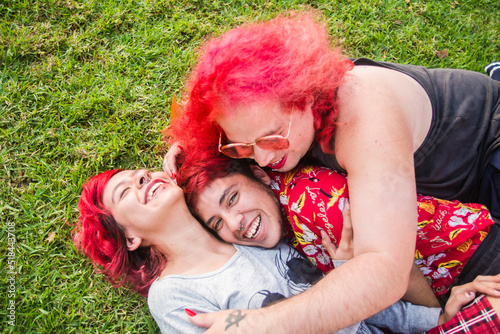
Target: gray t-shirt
(253, 278)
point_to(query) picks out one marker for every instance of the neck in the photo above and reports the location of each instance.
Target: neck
(190, 249)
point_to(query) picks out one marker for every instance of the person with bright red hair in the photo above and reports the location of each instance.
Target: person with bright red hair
(276, 92)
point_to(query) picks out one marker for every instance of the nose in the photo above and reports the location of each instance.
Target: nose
(262, 157)
(142, 178)
(234, 220)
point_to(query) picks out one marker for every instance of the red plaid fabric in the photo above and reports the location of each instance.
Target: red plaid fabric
(477, 317)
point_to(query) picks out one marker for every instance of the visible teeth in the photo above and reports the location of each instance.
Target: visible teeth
(152, 190)
(275, 163)
(254, 230)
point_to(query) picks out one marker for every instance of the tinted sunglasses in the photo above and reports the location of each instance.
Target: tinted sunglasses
(245, 150)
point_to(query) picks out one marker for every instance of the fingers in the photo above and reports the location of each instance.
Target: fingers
(345, 250)
(327, 243)
(347, 233)
(218, 322)
(201, 320)
(169, 162)
(455, 304)
(463, 294)
(489, 285)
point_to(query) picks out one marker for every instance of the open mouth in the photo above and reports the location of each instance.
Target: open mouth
(278, 164)
(254, 229)
(154, 189)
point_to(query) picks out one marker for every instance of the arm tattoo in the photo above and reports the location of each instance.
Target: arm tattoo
(234, 318)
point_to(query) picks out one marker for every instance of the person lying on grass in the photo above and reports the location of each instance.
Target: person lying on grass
(135, 225)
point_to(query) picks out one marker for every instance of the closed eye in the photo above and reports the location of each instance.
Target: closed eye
(216, 225)
(122, 194)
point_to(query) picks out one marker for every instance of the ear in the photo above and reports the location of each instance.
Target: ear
(260, 174)
(133, 242)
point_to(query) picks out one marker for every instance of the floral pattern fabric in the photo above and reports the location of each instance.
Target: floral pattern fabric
(448, 231)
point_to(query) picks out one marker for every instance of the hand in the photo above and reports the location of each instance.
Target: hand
(463, 294)
(169, 166)
(228, 321)
(345, 251)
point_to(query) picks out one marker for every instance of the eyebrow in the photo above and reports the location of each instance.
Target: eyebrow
(113, 194)
(225, 194)
(222, 199)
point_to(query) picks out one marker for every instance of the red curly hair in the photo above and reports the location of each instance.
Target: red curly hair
(101, 238)
(288, 59)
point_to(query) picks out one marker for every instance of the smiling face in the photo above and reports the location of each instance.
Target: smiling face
(242, 211)
(140, 200)
(249, 122)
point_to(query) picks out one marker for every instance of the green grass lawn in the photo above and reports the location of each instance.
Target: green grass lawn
(86, 87)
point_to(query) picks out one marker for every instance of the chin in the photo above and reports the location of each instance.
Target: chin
(286, 168)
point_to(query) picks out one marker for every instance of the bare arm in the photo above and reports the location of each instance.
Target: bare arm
(419, 291)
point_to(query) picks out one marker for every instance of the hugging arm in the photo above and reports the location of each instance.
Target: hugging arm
(419, 291)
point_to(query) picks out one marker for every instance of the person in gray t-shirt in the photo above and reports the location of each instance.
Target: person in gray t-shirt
(137, 226)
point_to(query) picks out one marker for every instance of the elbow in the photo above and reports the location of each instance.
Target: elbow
(403, 281)
(398, 276)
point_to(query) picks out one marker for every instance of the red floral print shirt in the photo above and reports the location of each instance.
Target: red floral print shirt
(448, 231)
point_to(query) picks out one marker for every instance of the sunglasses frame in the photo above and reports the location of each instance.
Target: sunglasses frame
(230, 145)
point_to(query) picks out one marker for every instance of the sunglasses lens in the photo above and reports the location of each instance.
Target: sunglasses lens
(237, 151)
(273, 143)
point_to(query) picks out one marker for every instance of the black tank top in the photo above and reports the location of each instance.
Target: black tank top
(464, 132)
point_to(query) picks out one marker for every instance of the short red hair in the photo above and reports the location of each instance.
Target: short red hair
(288, 59)
(101, 238)
(197, 170)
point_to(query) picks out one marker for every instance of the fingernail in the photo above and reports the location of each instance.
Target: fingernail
(347, 206)
(323, 234)
(469, 294)
(189, 312)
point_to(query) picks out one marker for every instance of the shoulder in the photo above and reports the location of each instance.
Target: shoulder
(366, 84)
(166, 289)
(377, 105)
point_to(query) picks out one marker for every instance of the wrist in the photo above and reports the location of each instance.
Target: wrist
(441, 319)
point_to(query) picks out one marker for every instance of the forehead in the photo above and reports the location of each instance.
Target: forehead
(216, 189)
(114, 182)
(250, 120)
(237, 179)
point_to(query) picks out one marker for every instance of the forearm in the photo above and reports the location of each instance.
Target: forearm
(345, 296)
(419, 291)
